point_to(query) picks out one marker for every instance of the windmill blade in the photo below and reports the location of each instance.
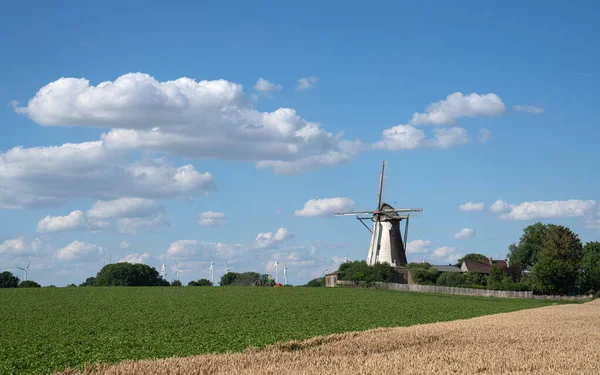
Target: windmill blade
(21, 268)
(28, 266)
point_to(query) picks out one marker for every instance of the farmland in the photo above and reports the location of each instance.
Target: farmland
(43, 330)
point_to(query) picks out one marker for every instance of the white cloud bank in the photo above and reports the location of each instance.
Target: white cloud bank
(471, 206)
(418, 246)
(270, 239)
(135, 258)
(204, 119)
(78, 250)
(211, 219)
(73, 221)
(20, 247)
(549, 209)
(124, 207)
(464, 234)
(457, 105)
(324, 207)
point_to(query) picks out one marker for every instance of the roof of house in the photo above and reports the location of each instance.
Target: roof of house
(447, 269)
(332, 273)
(483, 266)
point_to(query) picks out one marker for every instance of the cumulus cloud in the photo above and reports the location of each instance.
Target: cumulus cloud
(124, 207)
(133, 225)
(20, 246)
(457, 105)
(264, 86)
(73, 221)
(446, 138)
(418, 246)
(471, 206)
(270, 239)
(195, 249)
(549, 209)
(46, 176)
(306, 82)
(484, 135)
(205, 119)
(135, 258)
(324, 207)
(447, 254)
(125, 245)
(401, 137)
(464, 234)
(210, 218)
(78, 250)
(528, 108)
(499, 206)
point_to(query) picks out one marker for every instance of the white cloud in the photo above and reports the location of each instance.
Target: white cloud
(78, 250)
(264, 86)
(20, 247)
(269, 240)
(499, 206)
(471, 206)
(206, 250)
(446, 138)
(133, 225)
(73, 221)
(549, 209)
(446, 254)
(205, 119)
(528, 108)
(306, 82)
(135, 258)
(465, 233)
(124, 207)
(210, 218)
(125, 245)
(324, 207)
(418, 246)
(401, 137)
(43, 176)
(457, 105)
(484, 136)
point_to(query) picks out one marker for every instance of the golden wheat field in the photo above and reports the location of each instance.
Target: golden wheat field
(561, 339)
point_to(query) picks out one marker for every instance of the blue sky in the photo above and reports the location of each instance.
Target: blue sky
(192, 130)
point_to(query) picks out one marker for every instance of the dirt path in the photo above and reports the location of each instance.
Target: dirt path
(562, 339)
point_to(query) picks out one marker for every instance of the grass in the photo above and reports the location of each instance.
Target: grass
(43, 330)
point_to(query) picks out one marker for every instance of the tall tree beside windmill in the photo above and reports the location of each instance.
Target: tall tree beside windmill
(387, 244)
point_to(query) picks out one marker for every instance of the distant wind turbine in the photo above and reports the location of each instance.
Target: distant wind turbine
(25, 270)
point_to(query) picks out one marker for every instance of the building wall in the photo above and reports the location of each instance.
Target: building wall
(330, 280)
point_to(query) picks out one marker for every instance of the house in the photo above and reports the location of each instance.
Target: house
(331, 279)
(483, 266)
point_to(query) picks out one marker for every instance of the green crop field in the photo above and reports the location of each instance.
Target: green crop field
(43, 330)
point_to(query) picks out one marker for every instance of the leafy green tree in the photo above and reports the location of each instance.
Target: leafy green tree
(589, 277)
(495, 278)
(474, 279)
(128, 274)
(471, 256)
(525, 254)
(558, 260)
(8, 280)
(239, 279)
(71, 286)
(360, 271)
(455, 279)
(176, 283)
(201, 282)
(316, 282)
(90, 281)
(423, 273)
(29, 284)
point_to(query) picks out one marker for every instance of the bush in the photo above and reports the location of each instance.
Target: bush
(29, 284)
(200, 282)
(423, 273)
(317, 282)
(360, 271)
(8, 280)
(598, 294)
(176, 283)
(239, 279)
(127, 274)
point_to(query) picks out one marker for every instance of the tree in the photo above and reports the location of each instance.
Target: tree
(495, 278)
(362, 272)
(90, 281)
(556, 270)
(71, 286)
(525, 254)
(589, 277)
(239, 279)
(451, 279)
(423, 273)
(201, 282)
(29, 284)
(8, 280)
(471, 256)
(176, 283)
(316, 282)
(128, 274)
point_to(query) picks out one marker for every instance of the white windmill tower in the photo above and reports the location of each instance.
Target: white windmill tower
(163, 269)
(285, 274)
(25, 270)
(177, 271)
(386, 240)
(212, 272)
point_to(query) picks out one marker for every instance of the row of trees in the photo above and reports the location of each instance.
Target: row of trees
(548, 259)
(8, 280)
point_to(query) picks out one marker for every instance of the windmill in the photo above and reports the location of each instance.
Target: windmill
(276, 266)
(386, 243)
(285, 274)
(163, 269)
(212, 272)
(25, 270)
(177, 271)
(227, 269)
(324, 272)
